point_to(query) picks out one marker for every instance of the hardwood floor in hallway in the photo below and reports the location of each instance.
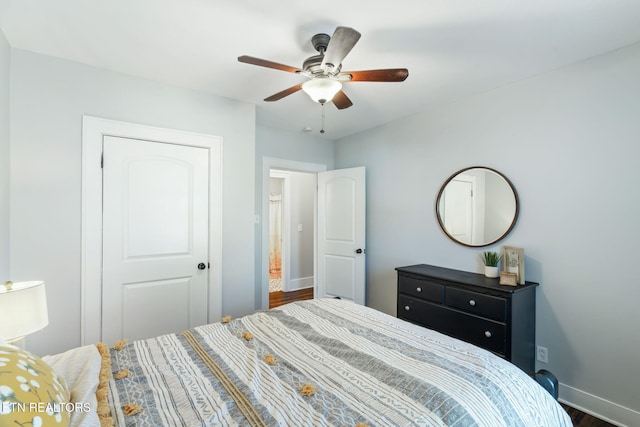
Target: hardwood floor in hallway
(279, 298)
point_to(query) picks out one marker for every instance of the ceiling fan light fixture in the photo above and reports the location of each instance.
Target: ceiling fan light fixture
(321, 89)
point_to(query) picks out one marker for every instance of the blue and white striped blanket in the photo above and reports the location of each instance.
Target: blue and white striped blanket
(336, 364)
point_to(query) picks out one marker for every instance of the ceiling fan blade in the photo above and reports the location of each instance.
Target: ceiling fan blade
(341, 43)
(282, 94)
(386, 75)
(269, 64)
(341, 101)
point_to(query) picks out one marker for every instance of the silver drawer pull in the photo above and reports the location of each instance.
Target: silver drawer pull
(419, 289)
(472, 302)
(407, 308)
(487, 334)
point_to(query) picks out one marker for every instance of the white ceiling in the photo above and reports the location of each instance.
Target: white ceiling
(452, 48)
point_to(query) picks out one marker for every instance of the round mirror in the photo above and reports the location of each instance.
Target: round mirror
(477, 206)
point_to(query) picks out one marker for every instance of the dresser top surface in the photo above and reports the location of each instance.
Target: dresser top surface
(463, 277)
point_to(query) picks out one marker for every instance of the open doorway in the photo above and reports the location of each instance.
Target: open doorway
(291, 234)
(269, 164)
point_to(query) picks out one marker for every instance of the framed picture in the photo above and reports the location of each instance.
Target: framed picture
(513, 262)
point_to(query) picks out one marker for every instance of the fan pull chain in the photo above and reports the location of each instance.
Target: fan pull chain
(322, 127)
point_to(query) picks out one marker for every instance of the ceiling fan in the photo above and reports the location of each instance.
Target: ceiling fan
(325, 69)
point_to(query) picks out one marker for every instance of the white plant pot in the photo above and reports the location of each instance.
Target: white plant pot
(491, 272)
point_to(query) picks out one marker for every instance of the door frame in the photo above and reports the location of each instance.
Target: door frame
(269, 163)
(93, 131)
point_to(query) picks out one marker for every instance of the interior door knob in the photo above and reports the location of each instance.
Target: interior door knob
(202, 266)
(359, 251)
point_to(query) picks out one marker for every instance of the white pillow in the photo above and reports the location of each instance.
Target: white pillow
(80, 368)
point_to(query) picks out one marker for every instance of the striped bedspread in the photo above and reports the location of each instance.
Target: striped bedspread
(322, 363)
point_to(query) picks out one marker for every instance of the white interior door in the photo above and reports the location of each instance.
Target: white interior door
(155, 235)
(341, 234)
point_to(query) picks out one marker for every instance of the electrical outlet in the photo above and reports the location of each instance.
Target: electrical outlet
(542, 354)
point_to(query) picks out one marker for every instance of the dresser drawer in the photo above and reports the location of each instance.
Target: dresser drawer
(414, 309)
(473, 302)
(481, 332)
(421, 288)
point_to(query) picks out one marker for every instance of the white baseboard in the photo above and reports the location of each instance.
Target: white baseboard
(598, 407)
(300, 283)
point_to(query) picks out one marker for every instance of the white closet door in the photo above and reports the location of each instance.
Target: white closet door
(155, 238)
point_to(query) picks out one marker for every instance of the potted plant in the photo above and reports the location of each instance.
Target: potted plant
(490, 261)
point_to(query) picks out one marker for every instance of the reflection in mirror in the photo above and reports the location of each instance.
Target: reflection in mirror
(477, 206)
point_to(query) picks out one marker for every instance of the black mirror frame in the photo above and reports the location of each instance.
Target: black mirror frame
(515, 215)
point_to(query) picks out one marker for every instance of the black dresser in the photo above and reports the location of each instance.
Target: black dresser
(473, 308)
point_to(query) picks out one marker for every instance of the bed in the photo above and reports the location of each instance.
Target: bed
(323, 362)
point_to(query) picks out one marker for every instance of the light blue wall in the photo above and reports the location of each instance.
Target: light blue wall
(48, 98)
(5, 66)
(300, 146)
(303, 198)
(569, 140)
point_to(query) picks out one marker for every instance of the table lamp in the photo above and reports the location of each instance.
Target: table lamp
(23, 309)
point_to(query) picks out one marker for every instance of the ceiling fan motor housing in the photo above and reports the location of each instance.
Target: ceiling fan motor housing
(313, 64)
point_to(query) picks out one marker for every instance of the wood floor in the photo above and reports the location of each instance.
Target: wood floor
(579, 419)
(279, 298)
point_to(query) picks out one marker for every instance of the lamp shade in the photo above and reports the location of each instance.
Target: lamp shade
(23, 309)
(321, 89)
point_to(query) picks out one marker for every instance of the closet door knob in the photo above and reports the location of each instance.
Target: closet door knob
(487, 334)
(472, 303)
(202, 266)
(419, 289)
(407, 308)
